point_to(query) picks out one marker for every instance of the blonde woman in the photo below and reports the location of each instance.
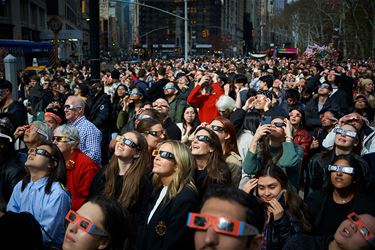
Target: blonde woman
(175, 197)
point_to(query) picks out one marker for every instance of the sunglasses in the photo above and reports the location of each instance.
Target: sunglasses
(363, 228)
(217, 128)
(349, 133)
(221, 225)
(169, 87)
(203, 138)
(279, 124)
(36, 129)
(127, 142)
(62, 139)
(344, 169)
(328, 117)
(40, 151)
(85, 224)
(324, 86)
(163, 154)
(261, 97)
(141, 116)
(135, 93)
(71, 106)
(155, 133)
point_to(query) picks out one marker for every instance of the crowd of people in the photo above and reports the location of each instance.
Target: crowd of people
(237, 153)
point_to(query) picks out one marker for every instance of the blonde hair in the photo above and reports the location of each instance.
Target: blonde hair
(185, 164)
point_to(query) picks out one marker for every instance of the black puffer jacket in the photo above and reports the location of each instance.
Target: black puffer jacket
(280, 231)
(11, 172)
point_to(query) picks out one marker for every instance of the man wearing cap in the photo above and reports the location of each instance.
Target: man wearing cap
(319, 105)
(10, 106)
(176, 103)
(90, 135)
(231, 208)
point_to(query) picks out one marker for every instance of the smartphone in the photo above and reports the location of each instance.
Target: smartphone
(266, 120)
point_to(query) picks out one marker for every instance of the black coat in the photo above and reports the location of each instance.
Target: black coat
(167, 228)
(312, 114)
(173, 132)
(307, 242)
(317, 172)
(100, 109)
(17, 114)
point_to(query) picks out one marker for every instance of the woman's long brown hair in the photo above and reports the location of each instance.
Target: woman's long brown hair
(131, 179)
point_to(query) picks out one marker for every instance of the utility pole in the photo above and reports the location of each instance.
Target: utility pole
(186, 31)
(94, 40)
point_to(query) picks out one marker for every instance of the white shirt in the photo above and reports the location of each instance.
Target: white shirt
(158, 201)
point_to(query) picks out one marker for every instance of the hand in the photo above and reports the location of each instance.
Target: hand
(215, 77)
(267, 106)
(249, 103)
(226, 88)
(19, 132)
(314, 144)
(261, 131)
(276, 209)
(250, 185)
(288, 129)
(125, 103)
(203, 80)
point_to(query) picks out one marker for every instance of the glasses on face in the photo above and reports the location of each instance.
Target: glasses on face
(349, 133)
(169, 87)
(36, 129)
(127, 142)
(135, 93)
(84, 224)
(71, 106)
(155, 133)
(295, 114)
(261, 97)
(344, 169)
(324, 86)
(163, 154)
(363, 228)
(353, 118)
(141, 116)
(328, 117)
(40, 151)
(217, 128)
(203, 138)
(62, 139)
(221, 225)
(159, 106)
(279, 124)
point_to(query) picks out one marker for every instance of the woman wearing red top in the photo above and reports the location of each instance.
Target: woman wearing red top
(204, 97)
(300, 135)
(80, 169)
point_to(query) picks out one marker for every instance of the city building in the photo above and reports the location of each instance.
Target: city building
(161, 34)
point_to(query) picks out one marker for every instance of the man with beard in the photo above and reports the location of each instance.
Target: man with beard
(15, 109)
(176, 103)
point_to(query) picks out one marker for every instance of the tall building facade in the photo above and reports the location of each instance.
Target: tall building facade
(162, 33)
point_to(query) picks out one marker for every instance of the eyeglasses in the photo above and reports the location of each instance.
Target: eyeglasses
(203, 138)
(297, 115)
(363, 228)
(349, 133)
(344, 169)
(141, 116)
(85, 224)
(40, 151)
(62, 139)
(328, 117)
(163, 154)
(261, 97)
(127, 142)
(71, 106)
(36, 129)
(279, 124)
(135, 93)
(324, 86)
(217, 128)
(155, 133)
(221, 225)
(169, 87)
(159, 106)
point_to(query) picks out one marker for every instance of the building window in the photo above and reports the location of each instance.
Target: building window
(42, 18)
(24, 11)
(34, 14)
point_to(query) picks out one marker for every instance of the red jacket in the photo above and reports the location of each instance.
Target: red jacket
(302, 138)
(80, 170)
(205, 102)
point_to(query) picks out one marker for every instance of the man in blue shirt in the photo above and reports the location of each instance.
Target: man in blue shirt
(90, 135)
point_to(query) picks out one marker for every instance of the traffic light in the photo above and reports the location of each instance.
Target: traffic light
(205, 33)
